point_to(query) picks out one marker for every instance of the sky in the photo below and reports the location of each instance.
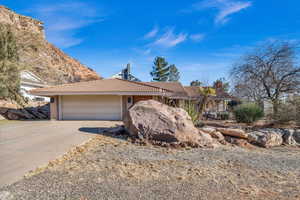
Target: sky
(203, 38)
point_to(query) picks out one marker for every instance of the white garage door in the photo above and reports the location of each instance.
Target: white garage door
(91, 107)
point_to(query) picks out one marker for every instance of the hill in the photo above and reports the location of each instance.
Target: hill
(40, 56)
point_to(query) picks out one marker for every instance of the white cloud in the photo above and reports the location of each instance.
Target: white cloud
(170, 39)
(152, 33)
(225, 8)
(197, 37)
(63, 20)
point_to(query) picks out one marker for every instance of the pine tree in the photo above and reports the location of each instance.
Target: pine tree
(160, 70)
(174, 74)
(196, 83)
(9, 69)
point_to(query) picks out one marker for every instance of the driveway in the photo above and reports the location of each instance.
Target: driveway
(25, 145)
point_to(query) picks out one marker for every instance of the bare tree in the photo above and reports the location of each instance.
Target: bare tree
(268, 72)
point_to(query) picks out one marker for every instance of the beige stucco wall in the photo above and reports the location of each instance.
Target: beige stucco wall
(54, 109)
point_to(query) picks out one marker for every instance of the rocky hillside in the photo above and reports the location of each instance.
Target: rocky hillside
(40, 56)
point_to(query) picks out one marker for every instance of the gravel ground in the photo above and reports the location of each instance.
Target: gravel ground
(112, 168)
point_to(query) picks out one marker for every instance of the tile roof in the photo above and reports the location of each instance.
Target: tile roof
(193, 91)
(176, 87)
(105, 86)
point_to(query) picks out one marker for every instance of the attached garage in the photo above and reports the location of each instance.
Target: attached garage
(90, 107)
(105, 99)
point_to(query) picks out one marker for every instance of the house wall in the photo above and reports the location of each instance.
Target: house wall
(54, 108)
(124, 107)
(24, 91)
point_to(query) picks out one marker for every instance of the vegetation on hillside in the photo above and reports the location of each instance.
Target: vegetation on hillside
(9, 68)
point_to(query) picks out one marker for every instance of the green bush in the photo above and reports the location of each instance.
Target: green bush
(248, 113)
(223, 115)
(288, 111)
(193, 113)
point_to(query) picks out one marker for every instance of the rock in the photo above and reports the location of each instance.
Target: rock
(274, 130)
(238, 141)
(16, 114)
(2, 118)
(219, 136)
(5, 195)
(297, 135)
(291, 137)
(3, 110)
(208, 129)
(40, 112)
(47, 61)
(152, 120)
(239, 133)
(34, 111)
(45, 109)
(265, 139)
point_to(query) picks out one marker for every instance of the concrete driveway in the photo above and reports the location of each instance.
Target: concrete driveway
(26, 145)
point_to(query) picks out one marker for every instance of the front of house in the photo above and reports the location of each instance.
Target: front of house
(108, 99)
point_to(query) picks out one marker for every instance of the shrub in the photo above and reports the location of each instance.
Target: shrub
(223, 115)
(233, 103)
(248, 113)
(193, 113)
(289, 111)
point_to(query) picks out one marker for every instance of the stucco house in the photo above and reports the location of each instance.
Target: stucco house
(109, 99)
(31, 81)
(106, 99)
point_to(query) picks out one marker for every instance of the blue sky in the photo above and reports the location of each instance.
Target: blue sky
(202, 38)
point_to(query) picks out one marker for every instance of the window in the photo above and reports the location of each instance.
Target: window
(129, 100)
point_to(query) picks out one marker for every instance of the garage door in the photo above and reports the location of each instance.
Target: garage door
(91, 107)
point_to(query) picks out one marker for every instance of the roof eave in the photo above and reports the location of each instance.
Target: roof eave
(137, 93)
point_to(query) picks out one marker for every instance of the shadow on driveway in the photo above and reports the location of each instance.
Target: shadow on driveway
(117, 132)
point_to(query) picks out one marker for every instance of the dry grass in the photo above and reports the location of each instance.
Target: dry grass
(112, 168)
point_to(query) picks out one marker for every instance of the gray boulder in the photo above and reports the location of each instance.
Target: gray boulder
(2, 118)
(265, 139)
(18, 114)
(3, 110)
(297, 135)
(152, 120)
(233, 132)
(291, 137)
(35, 112)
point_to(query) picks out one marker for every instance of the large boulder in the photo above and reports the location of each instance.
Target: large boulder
(239, 133)
(212, 131)
(2, 118)
(18, 114)
(45, 109)
(291, 137)
(3, 110)
(265, 139)
(152, 120)
(35, 112)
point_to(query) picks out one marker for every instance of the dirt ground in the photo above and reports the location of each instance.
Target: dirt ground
(113, 168)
